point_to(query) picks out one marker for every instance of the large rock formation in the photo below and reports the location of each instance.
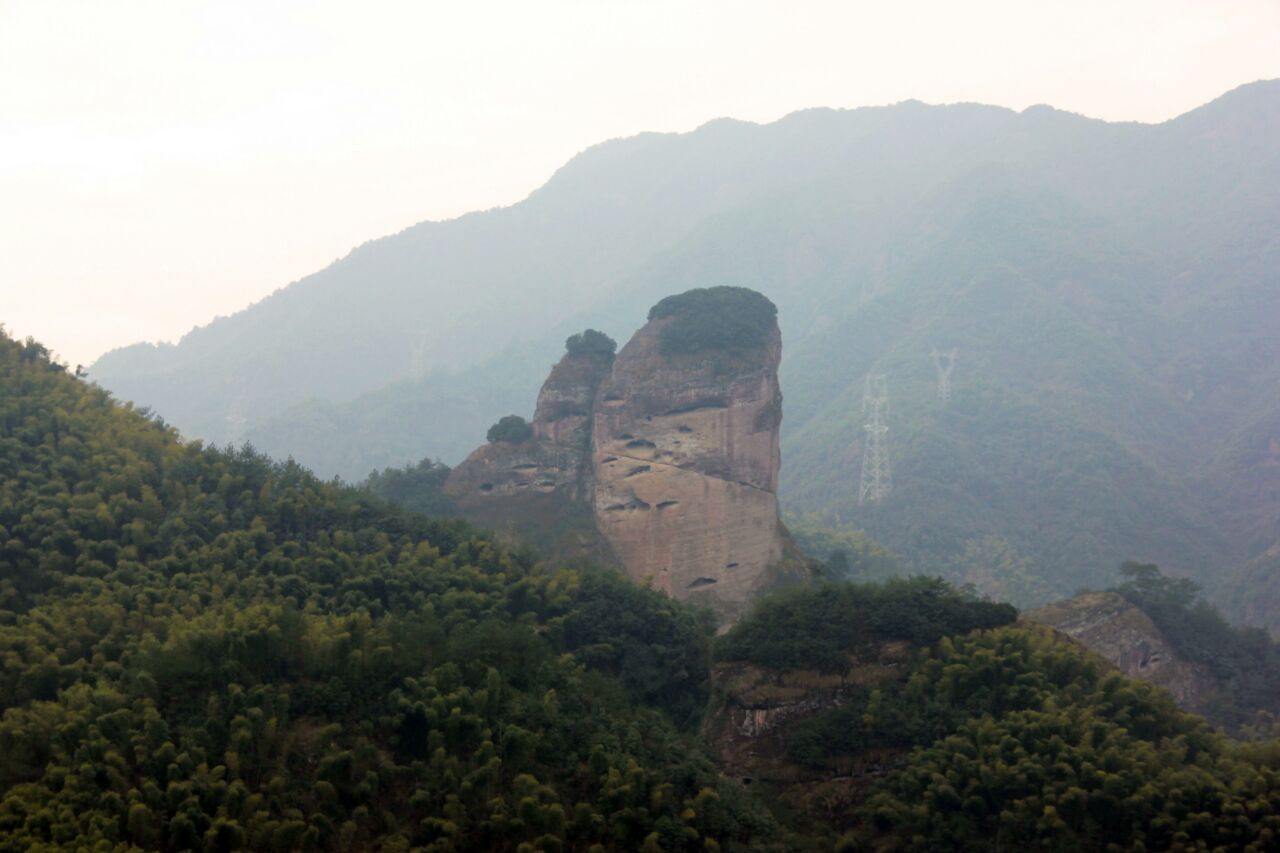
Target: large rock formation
(685, 458)
(1108, 624)
(671, 448)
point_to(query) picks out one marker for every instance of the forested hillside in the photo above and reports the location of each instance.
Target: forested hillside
(1012, 737)
(207, 650)
(1109, 291)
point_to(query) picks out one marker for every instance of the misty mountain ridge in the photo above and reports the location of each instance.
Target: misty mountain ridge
(1109, 289)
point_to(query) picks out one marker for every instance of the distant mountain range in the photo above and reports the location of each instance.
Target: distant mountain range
(1111, 292)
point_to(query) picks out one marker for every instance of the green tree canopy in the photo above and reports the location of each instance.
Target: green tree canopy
(512, 429)
(590, 343)
(728, 318)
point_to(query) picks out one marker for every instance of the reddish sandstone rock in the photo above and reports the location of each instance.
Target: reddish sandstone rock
(663, 460)
(685, 461)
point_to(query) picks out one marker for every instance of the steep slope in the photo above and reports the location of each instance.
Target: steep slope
(1110, 625)
(1110, 290)
(875, 714)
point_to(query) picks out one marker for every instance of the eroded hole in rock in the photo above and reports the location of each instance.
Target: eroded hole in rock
(486, 487)
(639, 469)
(640, 442)
(693, 407)
(683, 428)
(615, 507)
(665, 504)
(639, 504)
(701, 582)
(731, 565)
(608, 459)
(524, 466)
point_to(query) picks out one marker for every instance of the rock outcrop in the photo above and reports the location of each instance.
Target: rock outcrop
(670, 449)
(756, 714)
(538, 490)
(685, 460)
(1109, 625)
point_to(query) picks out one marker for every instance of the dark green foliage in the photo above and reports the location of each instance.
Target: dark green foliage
(1245, 660)
(207, 650)
(511, 428)
(819, 627)
(728, 318)
(1028, 743)
(658, 649)
(419, 487)
(590, 343)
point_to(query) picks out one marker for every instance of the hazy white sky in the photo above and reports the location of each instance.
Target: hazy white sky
(165, 162)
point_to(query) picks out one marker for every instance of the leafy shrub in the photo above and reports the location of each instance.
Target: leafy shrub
(817, 627)
(730, 318)
(512, 429)
(590, 343)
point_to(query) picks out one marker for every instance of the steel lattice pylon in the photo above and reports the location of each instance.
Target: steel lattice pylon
(877, 475)
(943, 362)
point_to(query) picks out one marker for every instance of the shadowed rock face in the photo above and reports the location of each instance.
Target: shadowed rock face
(685, 462)
(539, 490)
(1108, 624)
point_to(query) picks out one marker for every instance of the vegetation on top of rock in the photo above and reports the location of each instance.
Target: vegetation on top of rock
(1244, 660)
(512, 429)
(419, 488)
(590, 343)
(729, 318)
(819, 627)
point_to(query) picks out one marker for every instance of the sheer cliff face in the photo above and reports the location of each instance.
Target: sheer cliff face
(685, 466)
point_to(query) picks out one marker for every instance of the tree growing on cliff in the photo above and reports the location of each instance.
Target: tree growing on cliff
(731, 318)
(590, 343)
(512, 429)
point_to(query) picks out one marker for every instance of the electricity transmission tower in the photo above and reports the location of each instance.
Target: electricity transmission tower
(877, 479)
(943, 362)
(236, 423)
